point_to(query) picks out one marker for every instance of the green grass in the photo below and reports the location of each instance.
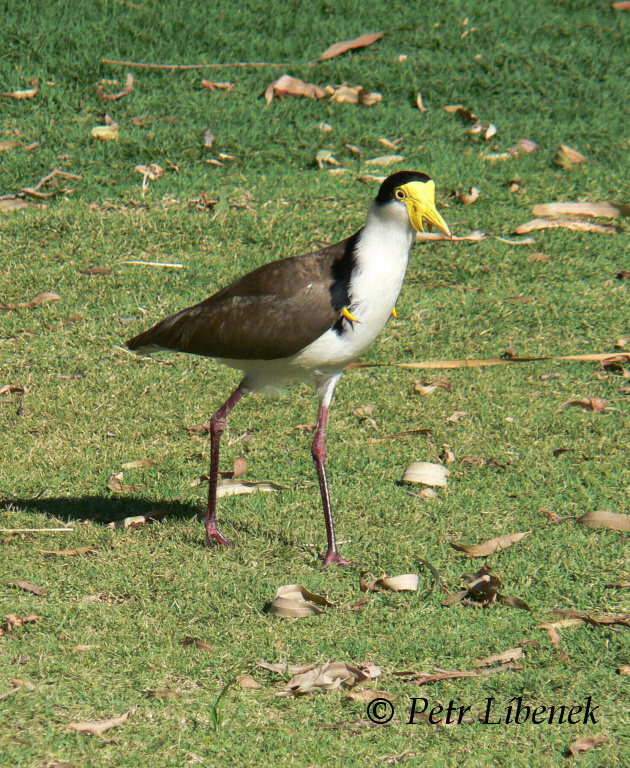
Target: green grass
(553, 72)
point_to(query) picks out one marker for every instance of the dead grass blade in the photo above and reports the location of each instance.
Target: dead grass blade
(41, 298)
(292, 86)
(424, 679)
(99, 727)
(491, 546)
(349, 45)
(114, 96)
(574, 224)
(66, 552)
(604, 210)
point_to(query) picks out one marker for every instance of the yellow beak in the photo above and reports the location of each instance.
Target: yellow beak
(420, 201)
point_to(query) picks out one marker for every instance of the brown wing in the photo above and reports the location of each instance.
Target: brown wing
(272, 312)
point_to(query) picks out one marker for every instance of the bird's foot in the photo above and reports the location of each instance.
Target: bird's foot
(334, 558)
(214, 537)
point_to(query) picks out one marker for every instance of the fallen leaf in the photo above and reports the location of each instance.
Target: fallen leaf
(575, 224)
(100, 726)
(456, 416)
(353, 94)
(64, 552)
(12, 621)
(467, 198)
(281, 667)
(136, 521)
(567, 157)
(605, 210)
(512, 654)
(29, 93)
(208, 138)
(218, 86)
(108, 132)
(367, 696)
(392, 144)
(5, 146)
(625, 669)
(482, 588)
(28, 587)
(595, 404)
(605, 519)
(95, 271)
(419, 103)
(246, 681)
(325, 156)
(350, 45)
(41, 298)
(406, 582)
(239, 468)
(162, 693)
(524, 145)
(10, 388)
(491, 546)
(494, 157)
(201, 644)
(473, 236)
(233, 487)
(140, 464)
(10, 203)
(152, 171)
(115, 484)
(114, 96)
(460, 111)
(292, 86)
(426, 473)
(82, 648)
(540, 257)
(295, 602)
(385, 160)
(329, 677)
(586, 743)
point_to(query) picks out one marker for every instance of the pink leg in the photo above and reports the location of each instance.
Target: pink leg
(217, 428)
(319, 457)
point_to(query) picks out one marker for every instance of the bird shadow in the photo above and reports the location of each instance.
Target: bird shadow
(99, 509)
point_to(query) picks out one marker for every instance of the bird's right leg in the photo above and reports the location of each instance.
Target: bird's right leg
(217, 427)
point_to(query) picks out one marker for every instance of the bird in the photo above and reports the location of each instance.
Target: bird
(304, 318)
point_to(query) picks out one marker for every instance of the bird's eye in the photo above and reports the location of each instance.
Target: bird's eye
(399, 194)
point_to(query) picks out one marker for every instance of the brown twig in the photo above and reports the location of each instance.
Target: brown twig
(188, 66)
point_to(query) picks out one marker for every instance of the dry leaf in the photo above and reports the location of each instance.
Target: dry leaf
(5, 146)
(419, 103)
(114, 96)
(10, 203)
(325, 156)
(595, 404)
(460, 111)
(198, 643)
(456, 416)
(100, 726)
(575, 224)
(140, 464)
(406, 582)
(13, 621)
(524, 145)
(82, 648)
(468, 197)
(136, 521)
(292, 86)
(392, 144)
(232, 487)
(426, 473)
(353, 94)
(162, 693)
(95, 271)
(567, 157)
(367, 696)
(28, 587)
(10, 388)
(245, 681)
(512, 654)
(329, 677)
(292, 602)
(623, 670)
(586, 743)
(350, 45)
(115, 484)
(217, 86)
(494, 157)
(605, 210)
(152, 171)
(29, 93)
(107, 132)
(605, 519)
(208, 138)
(491, 546)
(385, 160)
(41, 298)
(66, 552)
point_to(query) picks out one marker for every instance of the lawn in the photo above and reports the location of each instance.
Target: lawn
(150, 622)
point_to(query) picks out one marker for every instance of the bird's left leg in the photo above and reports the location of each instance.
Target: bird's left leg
(325, 394)
(217, 427)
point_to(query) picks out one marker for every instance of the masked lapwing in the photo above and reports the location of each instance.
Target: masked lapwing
(304, 318)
